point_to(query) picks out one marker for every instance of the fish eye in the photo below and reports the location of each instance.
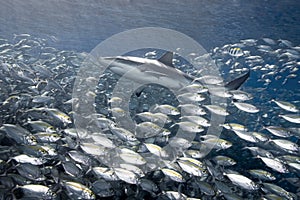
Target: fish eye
(44, 112)
(131, 137)
(32, 138)
(43, 151)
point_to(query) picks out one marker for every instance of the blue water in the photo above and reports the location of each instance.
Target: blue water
(81, 25)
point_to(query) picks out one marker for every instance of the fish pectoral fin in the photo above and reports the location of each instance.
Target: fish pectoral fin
(167, 59)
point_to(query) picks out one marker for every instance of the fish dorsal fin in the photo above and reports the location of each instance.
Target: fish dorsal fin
(167, 59)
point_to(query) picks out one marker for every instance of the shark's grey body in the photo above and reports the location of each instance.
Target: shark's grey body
(159, 71)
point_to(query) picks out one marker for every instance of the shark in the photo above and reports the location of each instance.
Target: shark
(160, 71)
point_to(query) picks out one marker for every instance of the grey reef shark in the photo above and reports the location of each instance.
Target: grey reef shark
(161, 71)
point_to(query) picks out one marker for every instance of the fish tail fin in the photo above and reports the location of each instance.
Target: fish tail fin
(153, 108)
(272, 100)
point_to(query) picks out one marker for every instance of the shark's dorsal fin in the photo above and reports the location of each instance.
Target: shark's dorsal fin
(167, 59)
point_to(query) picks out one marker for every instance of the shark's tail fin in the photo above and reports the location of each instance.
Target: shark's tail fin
(236, 83)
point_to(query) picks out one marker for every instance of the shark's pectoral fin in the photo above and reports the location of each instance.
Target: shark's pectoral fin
(236, 83)
(167, 59)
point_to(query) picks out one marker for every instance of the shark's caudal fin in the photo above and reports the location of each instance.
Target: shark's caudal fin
(167, 59)
(236, 83)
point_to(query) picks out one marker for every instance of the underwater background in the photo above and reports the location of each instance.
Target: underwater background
(80, 26)
(42, 46)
